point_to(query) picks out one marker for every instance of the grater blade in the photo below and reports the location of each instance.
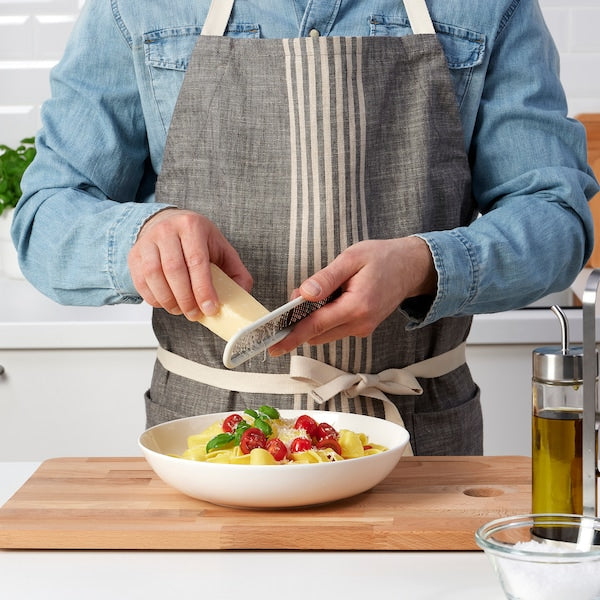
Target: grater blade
(270, 329)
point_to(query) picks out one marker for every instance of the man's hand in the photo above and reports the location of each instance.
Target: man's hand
(170, 263)
(375, 276)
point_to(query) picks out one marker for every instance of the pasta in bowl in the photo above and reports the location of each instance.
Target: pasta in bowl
(285, 484)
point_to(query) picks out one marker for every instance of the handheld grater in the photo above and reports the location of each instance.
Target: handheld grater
(270, 329)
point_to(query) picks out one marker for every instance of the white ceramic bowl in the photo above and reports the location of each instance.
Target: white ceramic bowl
(273, 486)
(544, 557)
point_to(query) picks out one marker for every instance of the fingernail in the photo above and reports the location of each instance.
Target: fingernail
(193, 315)
(209, 308)
(311, 288)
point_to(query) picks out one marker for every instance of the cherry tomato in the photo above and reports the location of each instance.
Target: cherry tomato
(231, 422)
(300, 444)
(252, 438)
(277, 449)
(324, 431)
(239, 430)
(330, 443)
(307, 423)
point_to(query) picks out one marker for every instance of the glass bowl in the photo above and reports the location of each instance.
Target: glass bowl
(544, 556)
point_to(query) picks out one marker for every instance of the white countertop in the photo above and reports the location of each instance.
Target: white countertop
(224, 575)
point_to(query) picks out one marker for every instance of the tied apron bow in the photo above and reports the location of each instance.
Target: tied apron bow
(332, 381)
(320, 381)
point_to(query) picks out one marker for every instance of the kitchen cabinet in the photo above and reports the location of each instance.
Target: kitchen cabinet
(74, 377)
(69, 402)
(503, 373)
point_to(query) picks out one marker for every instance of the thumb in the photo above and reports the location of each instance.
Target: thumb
(321, 284)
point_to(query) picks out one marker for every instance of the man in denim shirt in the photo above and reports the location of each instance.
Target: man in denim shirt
(90, 230)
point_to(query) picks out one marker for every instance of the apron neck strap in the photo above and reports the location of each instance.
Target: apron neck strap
(220, 11)
(217, 17)
(418, 16)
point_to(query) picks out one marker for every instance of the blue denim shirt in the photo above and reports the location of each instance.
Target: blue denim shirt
(91, 186)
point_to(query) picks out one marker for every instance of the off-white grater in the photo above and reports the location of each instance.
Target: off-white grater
(270, 329)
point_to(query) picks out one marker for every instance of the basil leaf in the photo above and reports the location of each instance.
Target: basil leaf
(263, 426)
(251, 412)
(269, 411)
(220, 441)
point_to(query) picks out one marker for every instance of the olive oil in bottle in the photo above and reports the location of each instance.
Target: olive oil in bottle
(557, 460)
(557, 426)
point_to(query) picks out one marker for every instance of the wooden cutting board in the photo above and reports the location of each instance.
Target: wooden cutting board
(427, 503)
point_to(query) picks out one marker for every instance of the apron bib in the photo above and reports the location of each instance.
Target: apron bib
(297, 149)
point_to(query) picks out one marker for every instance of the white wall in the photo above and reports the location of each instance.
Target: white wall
(33, 35)
(32, 38)
(575, 26)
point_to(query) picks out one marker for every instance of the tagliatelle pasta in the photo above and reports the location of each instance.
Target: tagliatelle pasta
(264, 438)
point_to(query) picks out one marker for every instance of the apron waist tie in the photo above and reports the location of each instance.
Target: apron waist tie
(321, 381)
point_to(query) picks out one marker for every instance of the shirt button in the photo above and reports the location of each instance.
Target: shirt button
(314, 33)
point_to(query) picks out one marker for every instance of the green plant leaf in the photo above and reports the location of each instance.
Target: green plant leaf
(13, 163)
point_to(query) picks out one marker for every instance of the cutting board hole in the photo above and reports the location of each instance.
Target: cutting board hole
(483, 492)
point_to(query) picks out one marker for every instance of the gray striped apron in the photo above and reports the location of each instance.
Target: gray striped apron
(296, 149)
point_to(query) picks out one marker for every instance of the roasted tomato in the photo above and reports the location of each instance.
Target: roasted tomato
(252, 438)
(277, 449)
(329, 443)
(325, 431)
(300, 444)
(307, 423)
(231, 422)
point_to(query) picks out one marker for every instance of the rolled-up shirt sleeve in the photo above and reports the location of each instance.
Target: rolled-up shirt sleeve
(530, 179)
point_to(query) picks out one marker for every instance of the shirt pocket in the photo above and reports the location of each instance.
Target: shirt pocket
(167, 54)
(464, 48)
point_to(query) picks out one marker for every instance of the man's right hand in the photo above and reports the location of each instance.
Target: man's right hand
(170, 263)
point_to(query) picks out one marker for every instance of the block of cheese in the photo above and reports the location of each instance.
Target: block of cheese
(238, 308)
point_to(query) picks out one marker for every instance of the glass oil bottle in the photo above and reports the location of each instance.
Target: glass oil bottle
(557, 426)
